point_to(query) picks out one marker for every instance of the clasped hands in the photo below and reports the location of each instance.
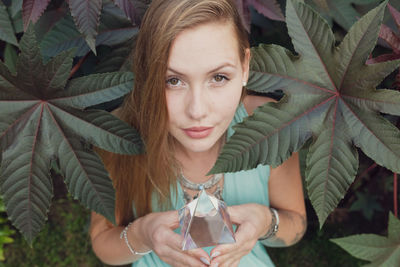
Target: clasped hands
(252, 222)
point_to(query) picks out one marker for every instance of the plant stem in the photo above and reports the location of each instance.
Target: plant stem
(395, 195)
(78, 65)
(370, 168)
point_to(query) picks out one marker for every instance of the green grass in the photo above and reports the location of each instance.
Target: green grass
(64, 241)
(314, 249)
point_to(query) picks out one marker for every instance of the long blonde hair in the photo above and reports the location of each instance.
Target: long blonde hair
(137, 178)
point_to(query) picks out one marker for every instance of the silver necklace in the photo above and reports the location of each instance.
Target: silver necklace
(198, 186)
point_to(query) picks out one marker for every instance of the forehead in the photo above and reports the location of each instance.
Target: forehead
(204, 46)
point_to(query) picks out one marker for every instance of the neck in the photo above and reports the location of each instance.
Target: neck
(195, 165)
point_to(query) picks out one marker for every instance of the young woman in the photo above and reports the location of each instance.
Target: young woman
(191, 65)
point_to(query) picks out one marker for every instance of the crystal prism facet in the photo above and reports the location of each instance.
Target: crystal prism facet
(205, 222)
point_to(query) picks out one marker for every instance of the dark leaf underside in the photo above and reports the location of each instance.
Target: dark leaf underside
(43, 121)
(330, 97)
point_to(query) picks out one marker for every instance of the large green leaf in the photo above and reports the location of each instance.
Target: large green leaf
(86, 14)
(16, 7)
(10, 57)
(269, 8)
(92, 90)
(84, 173)
(381, 251)
(64, 35)
(117, 58)
(15, 11)
(32, 10)
(330, 95)
(6, 28)
(43, 120)
(343, 12)
(133, 9)
(25, 185)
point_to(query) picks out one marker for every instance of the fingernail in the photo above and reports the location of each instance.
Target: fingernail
(216, 265)
(215, 254)
(204, 260)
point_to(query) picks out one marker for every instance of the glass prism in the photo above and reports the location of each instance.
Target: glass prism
(205, 222)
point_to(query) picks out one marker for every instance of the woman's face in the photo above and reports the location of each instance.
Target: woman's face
(204, 84)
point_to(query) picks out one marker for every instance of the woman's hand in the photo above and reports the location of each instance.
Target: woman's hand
(253, 221)
(157, 232)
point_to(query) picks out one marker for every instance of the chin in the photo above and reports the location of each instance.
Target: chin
(199, 148)
(199, 145)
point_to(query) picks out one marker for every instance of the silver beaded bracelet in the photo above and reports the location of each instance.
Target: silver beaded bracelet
(124, 235)
(274, 225)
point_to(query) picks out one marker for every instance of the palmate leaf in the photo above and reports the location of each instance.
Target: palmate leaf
(128, 8)
(342, 12)
(15, 10)
(64, 35)
(381, 251)
(6, 28)
(10, 57)
(395, 14)
(32, 10)
(119, 58)
(86, 14)
(330, 95)
(42, 120)
(269, 8)
(133, 9)
(25, 185)
(86, 29)
(366, 204)
(392, 39)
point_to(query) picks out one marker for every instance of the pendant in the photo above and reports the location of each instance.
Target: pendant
(205, 222)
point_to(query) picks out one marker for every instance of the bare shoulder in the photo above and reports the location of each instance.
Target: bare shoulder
(251, 102)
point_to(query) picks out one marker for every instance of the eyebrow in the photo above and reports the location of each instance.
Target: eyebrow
(224, 65)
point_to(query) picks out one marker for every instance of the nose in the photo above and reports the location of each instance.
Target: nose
(197, 104)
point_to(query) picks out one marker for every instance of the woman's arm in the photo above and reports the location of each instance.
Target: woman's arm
(286, 196)
(108, 246)
(254, 220)
(285, 192)
(153, 231)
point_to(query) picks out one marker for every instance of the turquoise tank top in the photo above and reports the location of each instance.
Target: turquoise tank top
(239, 188)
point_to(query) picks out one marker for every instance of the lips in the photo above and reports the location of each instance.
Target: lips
(198, 132)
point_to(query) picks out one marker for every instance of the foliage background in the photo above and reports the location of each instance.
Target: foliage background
(64, 240)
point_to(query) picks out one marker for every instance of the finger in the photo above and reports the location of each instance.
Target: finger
(199, 253)
(174, 240)
(176, 257)
(171, 219)
(229, 259)
(222, 253)
(228, 252)
(246, 231)
(225, 249)
(234, 214)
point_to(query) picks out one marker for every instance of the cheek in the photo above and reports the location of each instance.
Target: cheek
(172, 104)
(228, 100)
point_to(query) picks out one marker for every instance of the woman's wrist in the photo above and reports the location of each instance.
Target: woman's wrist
(273, 226)
(135, 240)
